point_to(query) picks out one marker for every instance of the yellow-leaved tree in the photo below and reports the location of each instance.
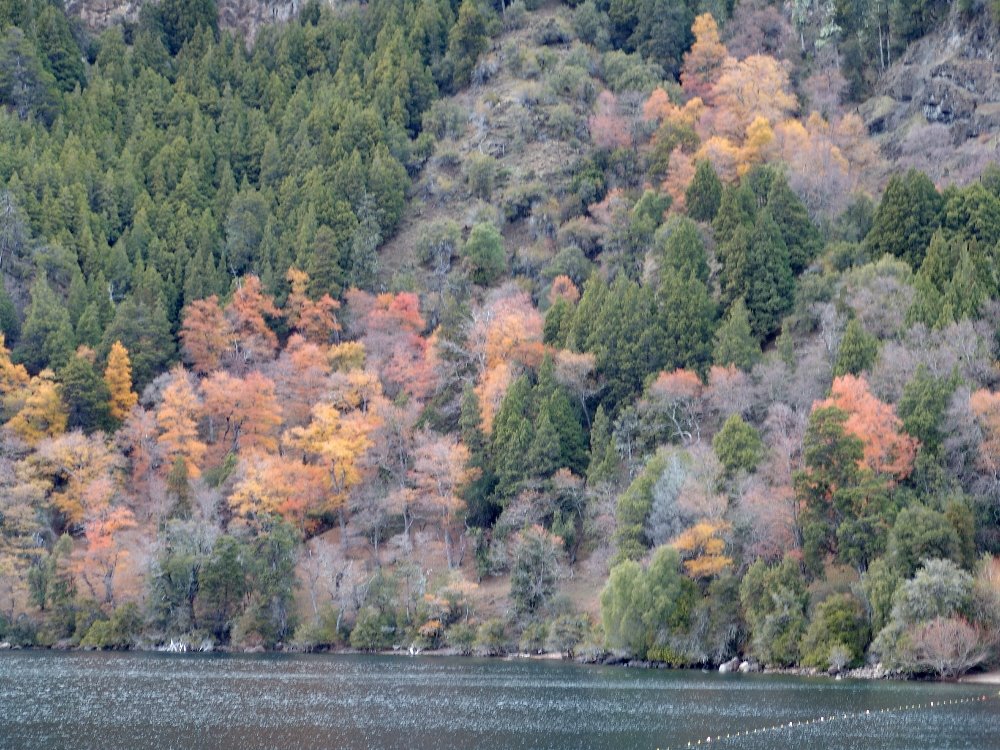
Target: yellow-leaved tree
(118, 378)
(177, 421)
(40, 411)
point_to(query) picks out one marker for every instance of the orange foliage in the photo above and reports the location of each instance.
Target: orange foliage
(300, 377)
(887, 449)
(12, 376)
(243, 414)
(563, 288)
(177, 419)
(287, 487)
(83, 473)
(204, 334)
(118, 378)
(755, 87)
(703, 62)
(99, 561)
(608, 129)
(315, 320)
(394, 345)
(253, 340)
(679, 175)
(40, 410)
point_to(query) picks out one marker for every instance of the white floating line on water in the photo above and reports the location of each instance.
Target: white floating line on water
(823, 719)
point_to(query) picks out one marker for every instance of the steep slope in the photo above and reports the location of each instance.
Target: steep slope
(938, 106)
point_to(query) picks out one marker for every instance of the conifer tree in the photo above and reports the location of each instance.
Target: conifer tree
(797, 230)
(511, 439)
(118, 378)
(906, 218)
(858, 350)
(84, 394)
(735, 343)
(704, 194)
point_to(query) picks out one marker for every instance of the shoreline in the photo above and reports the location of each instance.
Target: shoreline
(876, 672)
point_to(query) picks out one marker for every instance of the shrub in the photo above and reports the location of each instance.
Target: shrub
(484, 252)
(566, 632)
(321, 632)
(373, 630)
(491, 638)
(462, 637)
(119, 632)
(838, 623)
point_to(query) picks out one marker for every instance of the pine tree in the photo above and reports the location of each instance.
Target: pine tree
(681, 249)
(604, 461)
(686, 318)
(47, 337)
(735, 343)
(801, 236)
(466, 41)
(757, 268)
(511, 440)
(118, 378)
(479, 489)
(704, 194)
(909, 213)
(858, 350)
(737, 208)
(84, 394)
(545, 454)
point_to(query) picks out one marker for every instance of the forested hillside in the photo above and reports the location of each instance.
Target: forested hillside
(599, 328)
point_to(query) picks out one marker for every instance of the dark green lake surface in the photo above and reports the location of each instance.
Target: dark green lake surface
(134, 701)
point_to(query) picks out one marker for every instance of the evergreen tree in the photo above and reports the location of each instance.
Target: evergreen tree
(466, 41)
(923, 405)
(909, 213)
(738, 446)
(686, 317)
(704, 194)
(478, 491)
(858, 350)
(756, 267)
(801, 236)
(680, 248)
(545, 454)
(484, 252)
(511, 440)
(737, 208)
(143, 329)
(47, 337)
(85, 395)
(603, 466)
(735, 343)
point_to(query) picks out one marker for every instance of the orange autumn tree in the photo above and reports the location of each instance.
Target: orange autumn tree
(888, 450)
(99, 561)
(300, 378)
(243, 413)
(177, 423)
(279, 485)
(118, 378)
(336, 442)
(205, 336)
(315, 320)
(703, 62)
(12, 377)
(80, 474)
(252, 340)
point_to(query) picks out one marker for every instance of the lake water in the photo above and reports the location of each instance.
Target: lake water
(107, 701)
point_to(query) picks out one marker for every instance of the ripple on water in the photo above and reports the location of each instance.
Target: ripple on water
(137, 701)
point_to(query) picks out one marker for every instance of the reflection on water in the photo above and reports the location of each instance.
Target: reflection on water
(134, 701)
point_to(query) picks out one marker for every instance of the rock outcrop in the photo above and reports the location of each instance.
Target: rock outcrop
(938, 107)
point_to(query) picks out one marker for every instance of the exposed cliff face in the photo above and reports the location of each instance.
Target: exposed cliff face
(245, 16)
(938, 107)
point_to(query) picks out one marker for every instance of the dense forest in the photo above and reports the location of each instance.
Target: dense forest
(600, 328)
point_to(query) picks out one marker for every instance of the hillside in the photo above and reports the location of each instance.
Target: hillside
(549, 327)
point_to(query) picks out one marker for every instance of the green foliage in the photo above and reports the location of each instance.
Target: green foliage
(735, 343)
(774, 600)
(85, 395)
(704, 194)
(909, 213)
(756, 267)
(491, 638)
(321, 632)
(373, 630)
(920, 534)
(738, 446)
(642, 609)
(119, 632)
(857, 352)
(922, 406)
(633, 509)
(466, 41)
(838, 621)
(801, 236)
(485, 254)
